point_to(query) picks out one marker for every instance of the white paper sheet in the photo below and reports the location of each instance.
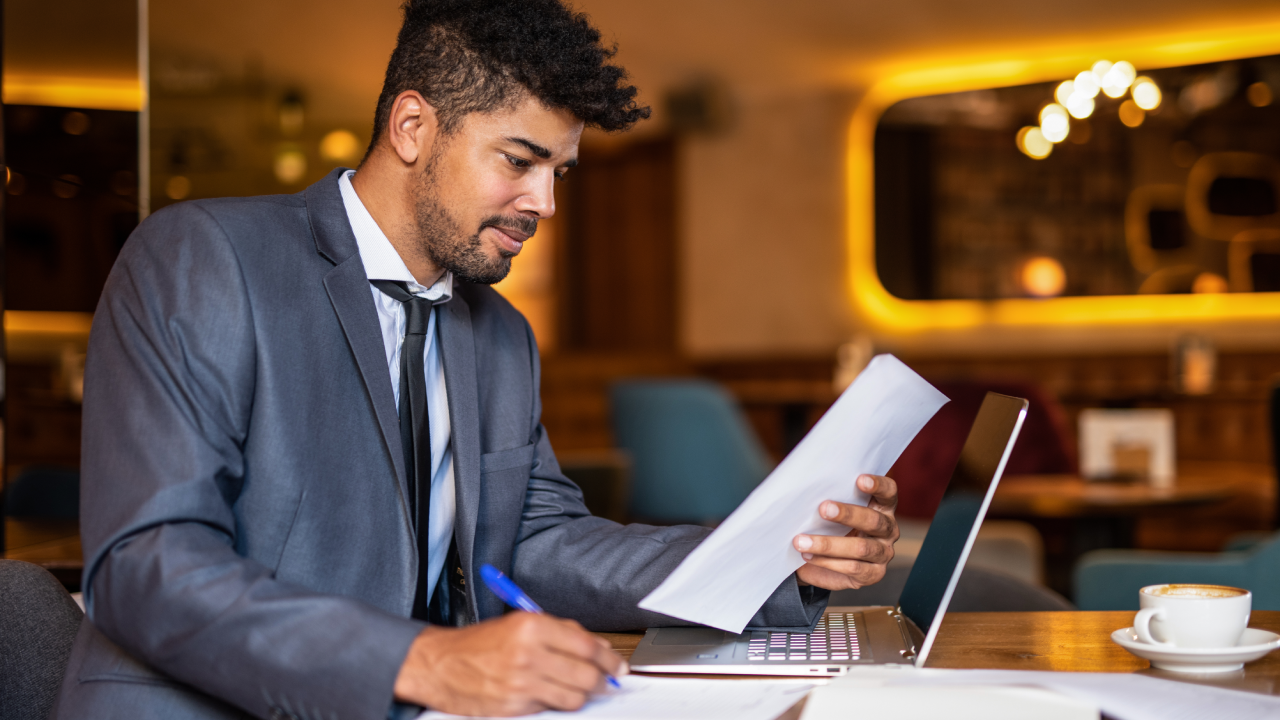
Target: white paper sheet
(646, 698)
(1122, 696)
(970, 702)
(726, 579)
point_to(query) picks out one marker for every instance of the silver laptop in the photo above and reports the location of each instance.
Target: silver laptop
(846, 637)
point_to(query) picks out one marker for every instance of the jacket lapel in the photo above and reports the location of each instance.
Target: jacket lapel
(348, 287)
(457, 345)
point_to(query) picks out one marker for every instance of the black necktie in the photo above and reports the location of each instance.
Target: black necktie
(415, 424)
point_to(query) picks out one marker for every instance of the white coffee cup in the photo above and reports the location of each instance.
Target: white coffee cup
(1192, 616)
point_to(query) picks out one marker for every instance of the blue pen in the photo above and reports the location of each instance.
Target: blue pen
(511, 594)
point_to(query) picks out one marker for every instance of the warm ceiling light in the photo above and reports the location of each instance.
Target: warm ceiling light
(1207, 282)
(1080, 106)
(1064, 91)
(1259, 94)
(1131, 115)
(290, 166)
(339, 145)
(1043, 277)
(1086, 83)
(177, 187)
(1146, 94)
(1033, 143)
(1118, 79)
(1054, 123)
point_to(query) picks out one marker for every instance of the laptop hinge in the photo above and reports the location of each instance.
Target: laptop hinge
(904, 627)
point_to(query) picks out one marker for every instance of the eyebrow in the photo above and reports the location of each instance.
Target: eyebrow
(539, 151)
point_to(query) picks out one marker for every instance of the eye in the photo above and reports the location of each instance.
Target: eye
(559, 174)
(517, 161)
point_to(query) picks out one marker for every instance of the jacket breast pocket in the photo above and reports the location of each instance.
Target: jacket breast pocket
(521, 457)
(504, 480)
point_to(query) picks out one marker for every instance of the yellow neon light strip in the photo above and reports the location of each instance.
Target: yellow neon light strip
(93, 93)
(889, 315)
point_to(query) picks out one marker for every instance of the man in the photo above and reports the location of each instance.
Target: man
(308, 420)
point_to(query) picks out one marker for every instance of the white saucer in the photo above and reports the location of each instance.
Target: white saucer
(1254, 643)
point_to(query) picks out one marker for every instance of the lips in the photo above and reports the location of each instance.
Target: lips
(510, 239)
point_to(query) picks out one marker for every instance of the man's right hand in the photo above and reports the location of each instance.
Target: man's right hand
(514, 665)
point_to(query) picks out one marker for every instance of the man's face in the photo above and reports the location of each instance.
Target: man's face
(486, 186)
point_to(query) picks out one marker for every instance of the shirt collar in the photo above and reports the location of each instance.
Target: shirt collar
(379, 256)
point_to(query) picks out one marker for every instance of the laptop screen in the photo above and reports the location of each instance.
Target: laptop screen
(955, 526)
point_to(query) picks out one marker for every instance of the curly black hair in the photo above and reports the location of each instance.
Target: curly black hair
(468, 56)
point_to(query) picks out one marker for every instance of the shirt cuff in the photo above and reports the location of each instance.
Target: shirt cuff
(791, 608)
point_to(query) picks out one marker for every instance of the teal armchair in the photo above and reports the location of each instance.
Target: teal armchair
(695, 455)
(1110, 579)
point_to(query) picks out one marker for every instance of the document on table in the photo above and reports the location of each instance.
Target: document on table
(645, 698)
(1122, 696)
(726, 579)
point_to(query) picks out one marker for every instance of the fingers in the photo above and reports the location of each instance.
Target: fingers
(849, 548)
(572, 674)
(849, 575)
(569, 638)
(866, 520)
(883, 491)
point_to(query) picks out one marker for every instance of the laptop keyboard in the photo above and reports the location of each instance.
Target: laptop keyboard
(835, 638)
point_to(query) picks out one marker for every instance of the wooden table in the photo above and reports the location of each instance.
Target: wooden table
(1058, 641)
(1214, 499)
(1070, 496)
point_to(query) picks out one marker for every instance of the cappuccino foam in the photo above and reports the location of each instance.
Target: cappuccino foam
(1194, 591)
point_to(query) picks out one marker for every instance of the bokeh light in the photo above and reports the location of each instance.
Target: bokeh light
(1131, 115)
(178, 187)
(1118, 78)
(1064, 91)
(1259, 94)
(14, 183)
(1080, 106)
(1054, 123)
(1146, 94)
(1033, 143)
(1207, 282)
(75, 123)
(1043, 277)
(339, 145)
(290, 166)
(1100, 69)
(1086, 84)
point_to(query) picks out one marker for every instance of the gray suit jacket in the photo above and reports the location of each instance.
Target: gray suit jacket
(248, 547)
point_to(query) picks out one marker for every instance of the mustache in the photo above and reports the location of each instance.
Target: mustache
(526, 225)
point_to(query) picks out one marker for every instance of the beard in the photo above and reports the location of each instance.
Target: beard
(447, 244)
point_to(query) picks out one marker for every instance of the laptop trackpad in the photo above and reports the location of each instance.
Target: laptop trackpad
(702, 637)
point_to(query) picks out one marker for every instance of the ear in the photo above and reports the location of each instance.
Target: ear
(413, 127)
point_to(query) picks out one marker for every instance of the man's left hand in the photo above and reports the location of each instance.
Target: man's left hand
(859, 558)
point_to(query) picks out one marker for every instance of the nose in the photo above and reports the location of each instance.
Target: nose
(539, 198)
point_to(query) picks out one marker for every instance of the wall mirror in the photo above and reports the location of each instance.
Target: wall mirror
(1049, 199)
(1112, 182)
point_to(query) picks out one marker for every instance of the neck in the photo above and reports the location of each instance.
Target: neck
(386, 189)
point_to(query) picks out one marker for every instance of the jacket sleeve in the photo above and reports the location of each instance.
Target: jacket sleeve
(169, 387)
(596, 571)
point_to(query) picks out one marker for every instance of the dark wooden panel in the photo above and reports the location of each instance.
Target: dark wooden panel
(620, 282)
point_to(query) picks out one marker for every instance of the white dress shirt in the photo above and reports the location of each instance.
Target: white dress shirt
(382, 262)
